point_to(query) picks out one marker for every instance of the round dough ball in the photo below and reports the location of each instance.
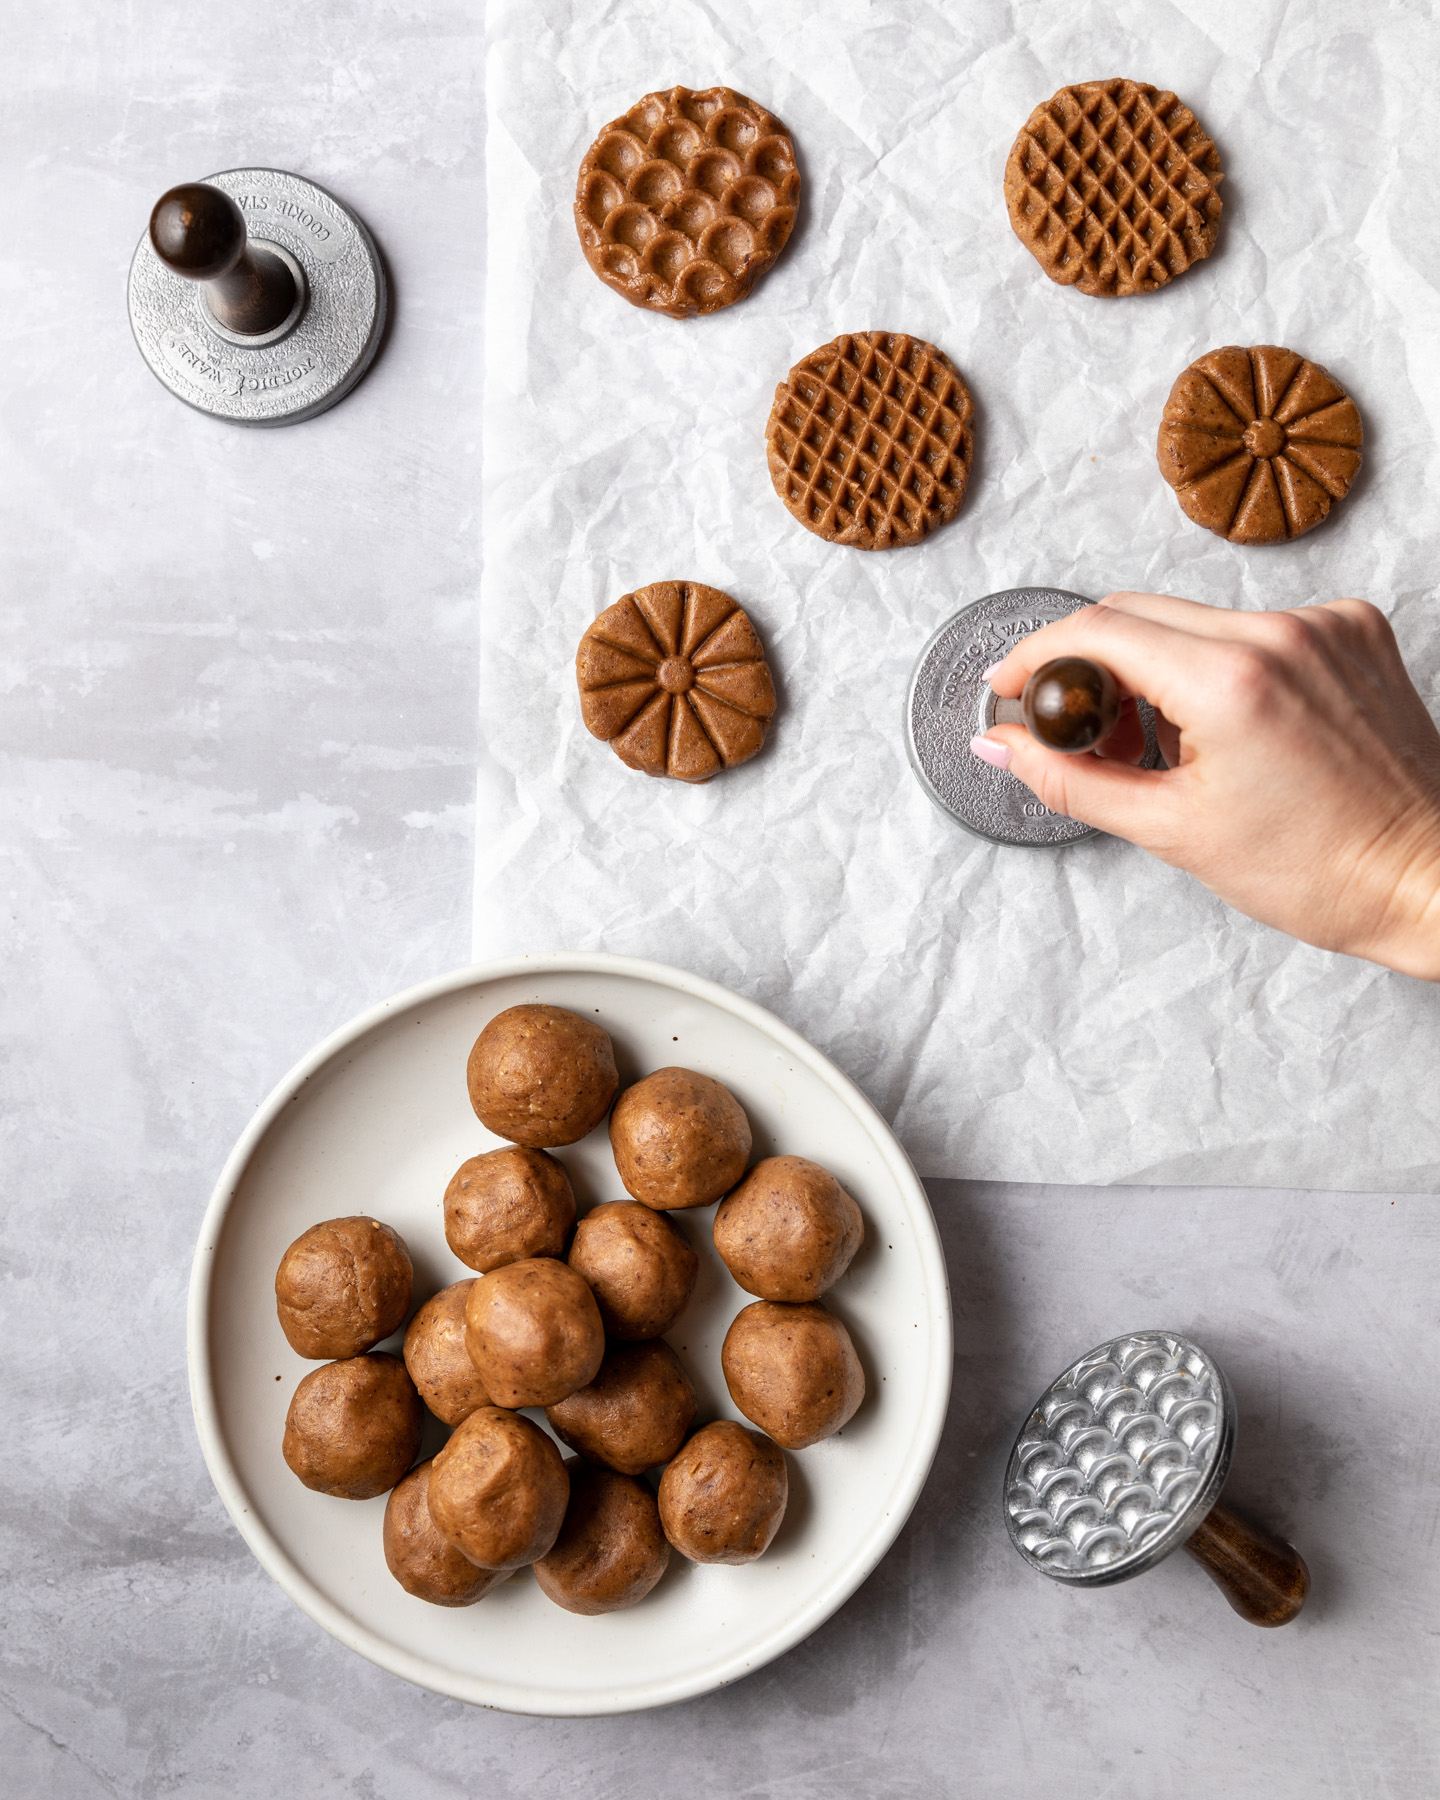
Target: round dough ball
(507, 1205)
(634, 1414)
(640, 1269)
(437, 1359)
(611, 1549)
(792, 1370)
(679, 1138)
(498, 1490)
(353, 1427)
(789, 1231)
(533, 1332)
(420, 1559)
(541, 1076)
(342, 1286)
(723, 1497)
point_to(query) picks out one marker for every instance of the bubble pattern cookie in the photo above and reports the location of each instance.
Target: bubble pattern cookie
(674, 679)
(1257, 443)
(1113, 186)
(870, 440)
(687, 199)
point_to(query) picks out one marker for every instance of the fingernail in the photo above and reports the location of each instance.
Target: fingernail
(989, 751)
(994, 669)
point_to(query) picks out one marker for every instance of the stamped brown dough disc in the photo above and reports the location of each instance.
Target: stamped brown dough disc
(1113, 187)
(675, 680)
(420, 1559)
(1258, 442)
(722, 1497)
(687, 199)
(611, 1549)
(870, 439)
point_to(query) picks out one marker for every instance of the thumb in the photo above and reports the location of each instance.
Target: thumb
(1112, 796)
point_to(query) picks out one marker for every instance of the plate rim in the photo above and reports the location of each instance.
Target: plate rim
(526, 1698)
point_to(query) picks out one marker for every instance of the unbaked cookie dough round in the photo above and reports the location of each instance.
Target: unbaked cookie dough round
(498, 1490)
(353, 1427)
(723, 1496)
(541, 1076)
(639, 1267)
(342, 1287)
(611, 1549)
(679, 1139)
(793, 1371)
(634, 1414)
(533, 1332)
(789, 1231)
(437, 1359)
(420, 1559)
(507, 1205)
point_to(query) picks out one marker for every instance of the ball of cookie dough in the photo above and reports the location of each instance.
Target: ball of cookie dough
(611, 1549)
(437, 1359)
(353, 1427)
(679, 1139)
(541, 1076)
(498, 1490)
(792, 1370)
(342, 1286)
(507, 1205)
(420, 1559)
(723, 1497)
(634, 1414)
(640, 1269)
(533, 1332)
(789, 1231)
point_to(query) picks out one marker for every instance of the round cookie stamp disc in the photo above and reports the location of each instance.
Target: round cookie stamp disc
(313, 359)
(1120, 1459)
(949, 702)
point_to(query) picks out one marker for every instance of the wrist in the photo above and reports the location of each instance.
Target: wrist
(1408, 937)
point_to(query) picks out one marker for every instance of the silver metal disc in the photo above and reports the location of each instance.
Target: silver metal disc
(1120, 1460)
(295, 372)
(949, 703)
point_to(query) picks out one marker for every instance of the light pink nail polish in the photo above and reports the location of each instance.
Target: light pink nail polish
(985, 674)
(989, 751)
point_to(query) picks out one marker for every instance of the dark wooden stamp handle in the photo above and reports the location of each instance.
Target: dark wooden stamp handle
(199, 232)
(1263, 1578)
(1070, 704)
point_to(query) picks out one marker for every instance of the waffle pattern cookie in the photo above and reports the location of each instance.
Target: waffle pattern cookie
(1113, 186)
(675, 680)
(686, 200)
(869, 440)
(1257, 443)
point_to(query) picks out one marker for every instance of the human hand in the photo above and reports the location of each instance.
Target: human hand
(1304, 777)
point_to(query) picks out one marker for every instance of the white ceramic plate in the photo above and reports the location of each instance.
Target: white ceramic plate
(376, 1120)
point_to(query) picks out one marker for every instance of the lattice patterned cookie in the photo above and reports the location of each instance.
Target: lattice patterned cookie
(674, 678)
(869, 440)
(1257, 443)
(1113, 186)
(687, 199)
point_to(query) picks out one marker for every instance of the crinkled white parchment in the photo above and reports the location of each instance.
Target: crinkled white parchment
(1085, 1015)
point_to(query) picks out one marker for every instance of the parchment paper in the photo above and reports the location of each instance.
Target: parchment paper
(1084, 1015)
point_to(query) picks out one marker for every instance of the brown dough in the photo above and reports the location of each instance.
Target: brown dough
(507, 1205)
(793, 1370)
(640, 1269)
(420, 1559)
(353, 1427)
(342, 1287)
(498, 1490)
(533, 1332)
(611, 1549)
(789, 1231)
(541, 1076)
(437, 1359)
(634, 1414)
(679, 1139)
(723, 1497)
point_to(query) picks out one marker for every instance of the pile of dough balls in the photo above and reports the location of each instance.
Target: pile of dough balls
(570, 1318)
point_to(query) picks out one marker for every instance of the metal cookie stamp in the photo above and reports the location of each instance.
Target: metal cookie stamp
(949, 703)
(257, 297)
(1122, 1460)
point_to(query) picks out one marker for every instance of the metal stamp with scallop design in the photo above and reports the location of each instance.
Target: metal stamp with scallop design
(949, 702)
(1120, 1460)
